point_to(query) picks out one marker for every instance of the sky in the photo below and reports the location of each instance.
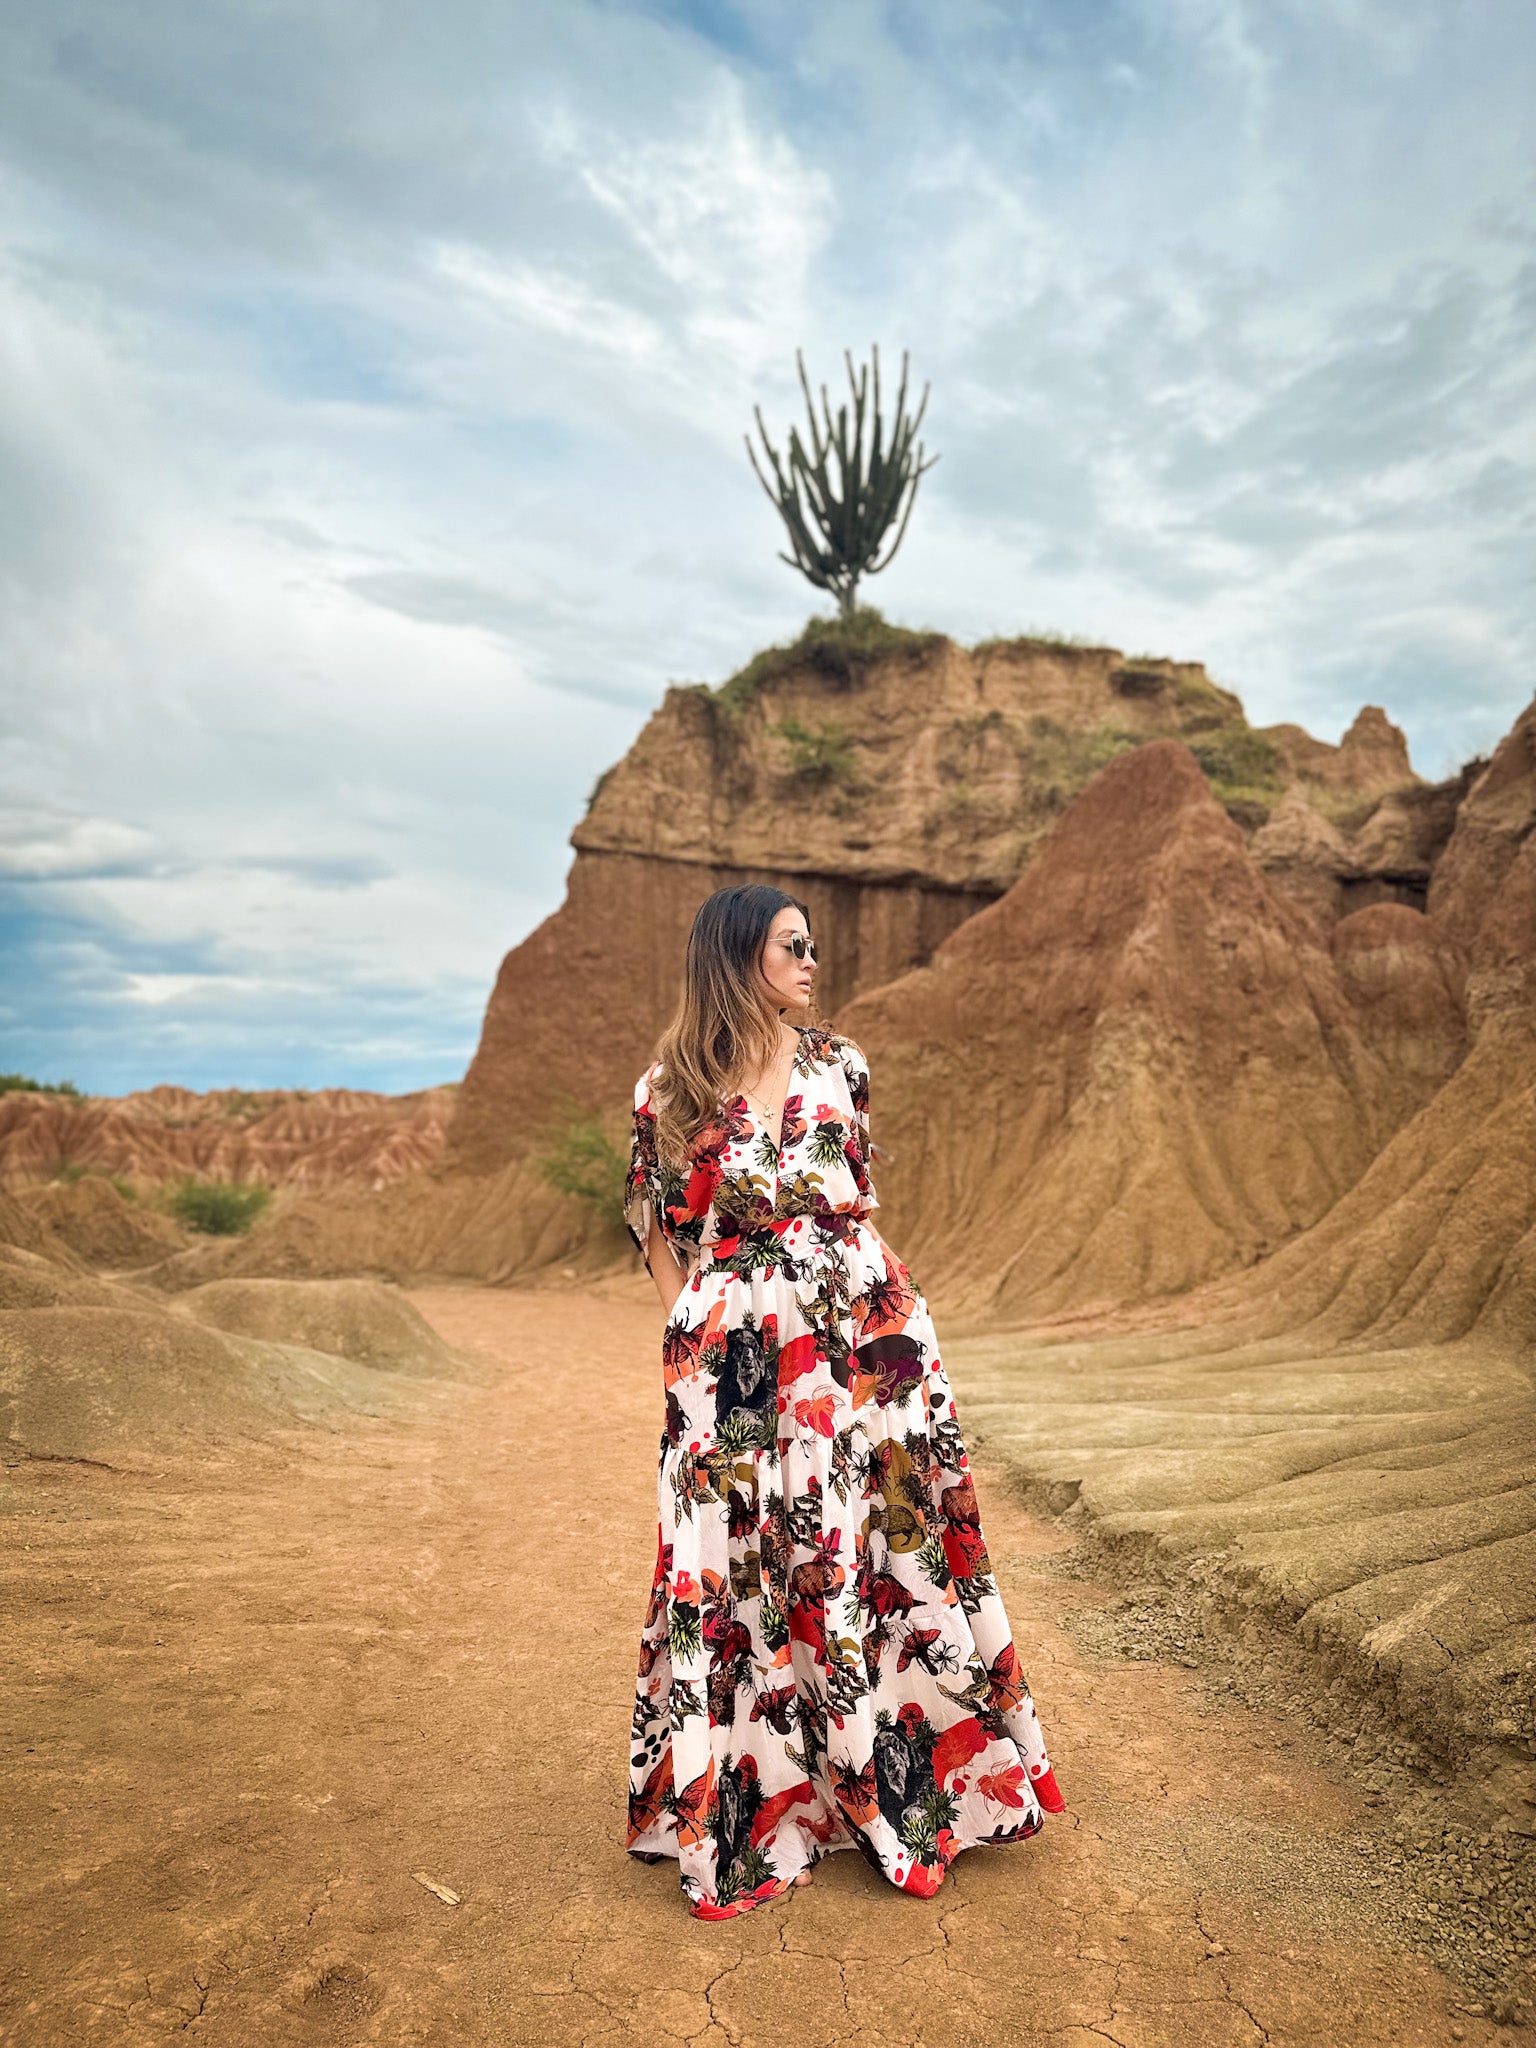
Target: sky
(373, 381)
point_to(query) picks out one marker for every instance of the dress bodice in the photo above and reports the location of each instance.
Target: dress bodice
(743, 1177)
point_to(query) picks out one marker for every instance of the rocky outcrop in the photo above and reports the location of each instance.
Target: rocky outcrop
(99, 1226)
(277, 1137)
(1369, 760)
(1387, 855)
(94, 1372)
(1436, 1240)
(896, 782)
(1142, 1066)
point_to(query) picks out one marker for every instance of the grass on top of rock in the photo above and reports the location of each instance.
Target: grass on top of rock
(218, 1208)
(1060, 760)
(25, 1082)
(836, 648)
(577, 1156)
(1033, 638)
(819, 754)
(72, 1171)
(1242, 767)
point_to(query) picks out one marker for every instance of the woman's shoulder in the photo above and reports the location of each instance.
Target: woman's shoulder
(645, 1084)
(837, 1045)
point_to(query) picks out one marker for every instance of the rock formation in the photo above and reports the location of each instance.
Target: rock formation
(1190, 960)
(896, 782)
(1142, 1066)
(95, 1371)
(278, 1137)
(1438, 1236)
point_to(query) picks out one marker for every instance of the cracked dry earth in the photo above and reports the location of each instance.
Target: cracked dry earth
(248, 1698)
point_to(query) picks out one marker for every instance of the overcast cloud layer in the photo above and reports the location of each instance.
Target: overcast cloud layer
(372, 383)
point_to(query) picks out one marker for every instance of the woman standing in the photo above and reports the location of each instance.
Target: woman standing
(825, 1662)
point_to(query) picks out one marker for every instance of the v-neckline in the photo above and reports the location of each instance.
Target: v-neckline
(746, 1100)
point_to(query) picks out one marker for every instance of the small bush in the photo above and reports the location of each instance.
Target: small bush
(246, 1103)
(837, 648)
(219, 1208)
(819, 754)
(8, 1082)
(1060, 760)
(1239, 763)
(577, 1157)
(1205, 706)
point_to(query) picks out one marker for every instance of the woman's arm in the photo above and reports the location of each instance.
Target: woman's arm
(669, 1276)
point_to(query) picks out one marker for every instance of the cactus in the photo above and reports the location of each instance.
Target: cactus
(838, 527)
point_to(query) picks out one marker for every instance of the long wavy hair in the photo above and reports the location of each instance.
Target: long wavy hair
(724, 1026)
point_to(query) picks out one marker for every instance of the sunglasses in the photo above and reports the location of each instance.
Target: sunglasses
(802, 947)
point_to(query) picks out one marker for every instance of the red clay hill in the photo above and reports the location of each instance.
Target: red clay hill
(899, 784)
(275, 1137)
(1159, 1004)
(1143, 1065)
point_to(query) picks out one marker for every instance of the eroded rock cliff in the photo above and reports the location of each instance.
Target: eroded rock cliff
(898, 783)
(277, 1137)
(1142, 1066)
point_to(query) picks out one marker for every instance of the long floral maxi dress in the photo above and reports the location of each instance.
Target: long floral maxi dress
(825, 1662)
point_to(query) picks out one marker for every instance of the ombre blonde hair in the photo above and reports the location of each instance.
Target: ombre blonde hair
(724, 1027)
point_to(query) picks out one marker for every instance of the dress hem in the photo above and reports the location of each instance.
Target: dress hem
(705, 1909)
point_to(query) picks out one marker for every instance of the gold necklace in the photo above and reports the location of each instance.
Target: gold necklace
(766, 1107)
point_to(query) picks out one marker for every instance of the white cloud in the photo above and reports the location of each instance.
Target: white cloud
(42, 845)
(371, 401)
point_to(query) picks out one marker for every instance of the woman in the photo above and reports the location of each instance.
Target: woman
(825, 1662)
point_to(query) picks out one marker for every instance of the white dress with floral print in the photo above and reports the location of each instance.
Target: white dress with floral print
(825, 1662)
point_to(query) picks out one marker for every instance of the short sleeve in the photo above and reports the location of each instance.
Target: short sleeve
(860, 1151)
(641, 1179)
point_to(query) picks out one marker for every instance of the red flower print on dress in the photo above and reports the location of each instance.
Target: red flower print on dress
(819, 1414)
(1005, 1787)
(825, 1661)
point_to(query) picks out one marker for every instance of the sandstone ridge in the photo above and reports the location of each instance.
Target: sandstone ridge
(274, 1137)
(898, 783)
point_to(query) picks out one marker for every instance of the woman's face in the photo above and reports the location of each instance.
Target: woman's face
(788, 981)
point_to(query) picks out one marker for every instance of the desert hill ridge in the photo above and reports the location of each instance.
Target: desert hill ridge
(1214, 1038)
(1145, 1027)
(272, 1136)
(1211, 985)
(899, 783)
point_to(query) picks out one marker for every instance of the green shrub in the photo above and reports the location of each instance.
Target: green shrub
(577, 1157)
(219, 1208)
(20, 1081)
(839, 649)
(1060, 760)
(1240, 764)
(821, 753)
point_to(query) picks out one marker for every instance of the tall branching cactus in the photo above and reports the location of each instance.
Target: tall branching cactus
(841, 499)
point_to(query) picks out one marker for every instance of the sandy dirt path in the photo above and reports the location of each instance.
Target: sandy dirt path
(245, 1700)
